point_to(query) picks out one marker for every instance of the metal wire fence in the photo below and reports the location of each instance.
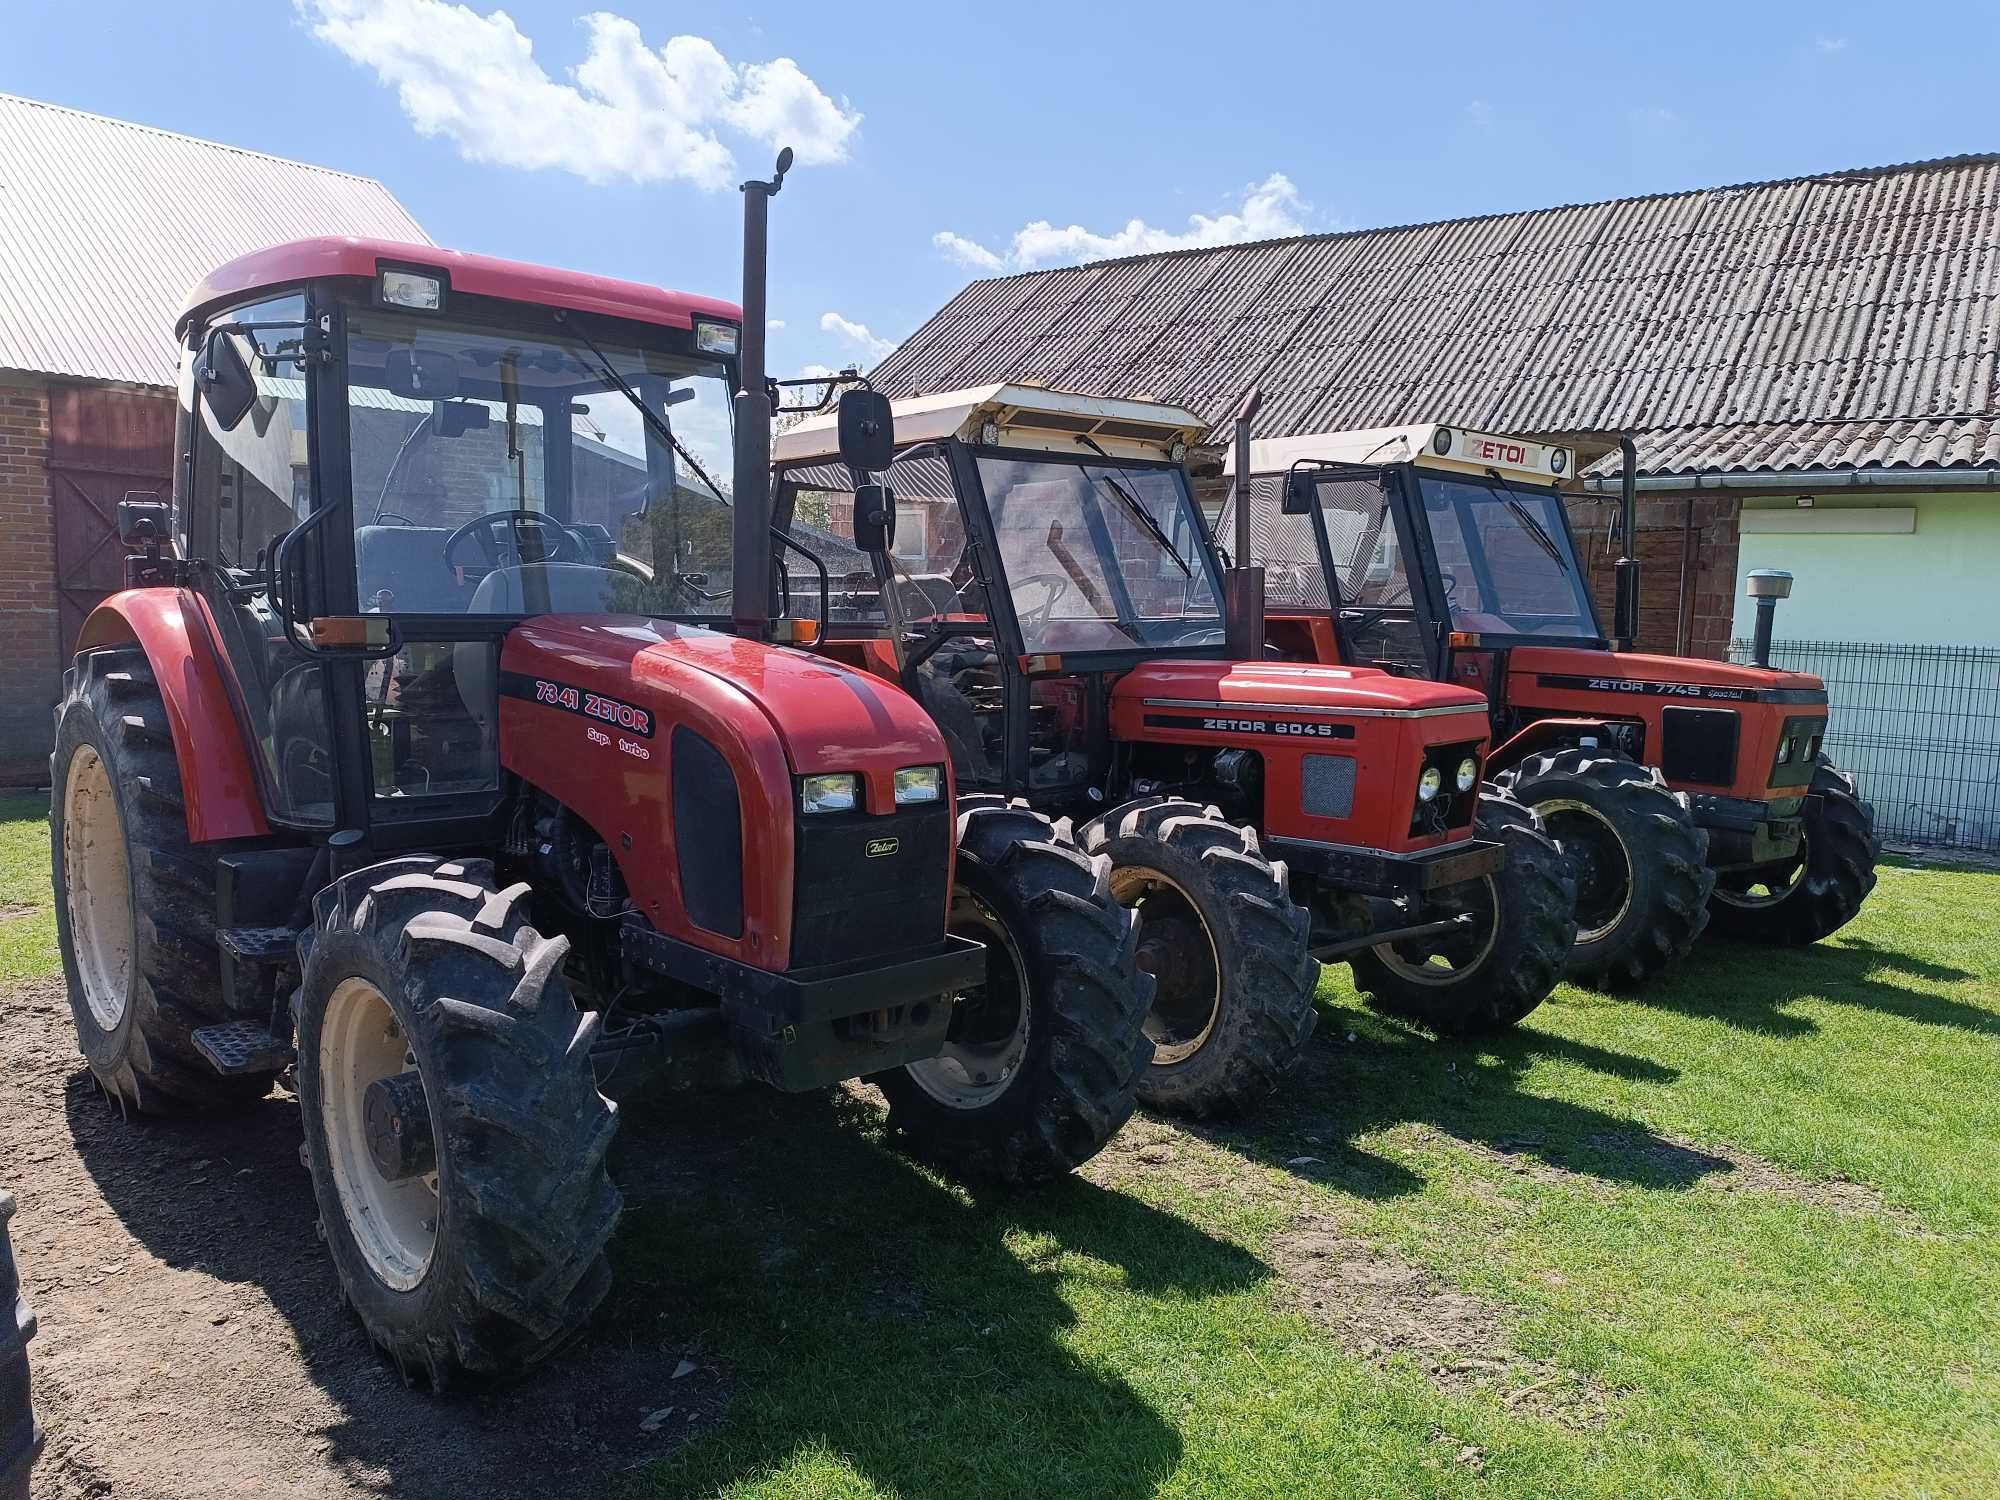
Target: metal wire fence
(1919, 726)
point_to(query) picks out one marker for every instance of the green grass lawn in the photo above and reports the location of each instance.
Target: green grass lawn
(1736, 1237)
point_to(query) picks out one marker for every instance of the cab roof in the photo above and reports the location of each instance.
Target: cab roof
(480, 275)
(1438, 445)
(1029, 416)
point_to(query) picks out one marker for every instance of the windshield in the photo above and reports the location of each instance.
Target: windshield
(1505, 557)
(1101, 556)
(499, 471)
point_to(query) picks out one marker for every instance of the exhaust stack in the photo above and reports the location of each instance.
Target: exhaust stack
(1767, 586)
(1243, 625)
(750, 586)
(1625, 599)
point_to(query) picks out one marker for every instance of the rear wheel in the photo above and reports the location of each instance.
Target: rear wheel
(453, 1124)
(1641, 864)
(1038, 1068)
(1819, 890)
(1226, 946)
(1507, 959)
(135, 901)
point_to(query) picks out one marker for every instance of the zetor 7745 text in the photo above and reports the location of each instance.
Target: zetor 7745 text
(443, 757)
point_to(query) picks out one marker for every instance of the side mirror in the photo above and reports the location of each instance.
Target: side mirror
(867, 431)
(143, 522)
(456, 418)
(421, 374)
(874, 517)
(1301, 493)
(228, 389)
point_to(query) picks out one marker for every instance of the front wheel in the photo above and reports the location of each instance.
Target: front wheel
(1039, 1065)
(1819, 890)
(1507, 958)
(453, 1124)
(1640, 861)
(1226, 946)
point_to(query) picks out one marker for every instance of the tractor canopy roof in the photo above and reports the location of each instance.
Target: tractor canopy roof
(1437, 445)
(478, 275)
(1024, 416)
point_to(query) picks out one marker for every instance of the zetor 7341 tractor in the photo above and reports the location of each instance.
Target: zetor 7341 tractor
(1033, 569)
(1685, 791)
(443, 750)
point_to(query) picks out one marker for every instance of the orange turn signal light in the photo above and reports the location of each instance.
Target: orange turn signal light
(794, 632)
(1046, 663)
(1463, 640)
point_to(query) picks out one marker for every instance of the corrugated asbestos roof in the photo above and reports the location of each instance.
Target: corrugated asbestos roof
(105, 226)
(1848, 318)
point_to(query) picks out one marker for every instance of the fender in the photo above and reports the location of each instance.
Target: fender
(217, 780)
(1543, 734)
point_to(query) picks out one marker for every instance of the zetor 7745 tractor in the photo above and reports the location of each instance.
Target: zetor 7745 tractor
(411, 761)
(1685, 791)
(1034, 570)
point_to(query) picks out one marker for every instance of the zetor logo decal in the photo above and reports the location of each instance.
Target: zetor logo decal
(1495, 450)
(1633, 686)
(879, 848)
(1268, 726)
(576, 700)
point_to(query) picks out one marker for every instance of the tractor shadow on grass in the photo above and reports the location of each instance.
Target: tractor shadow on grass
(785, 1285)
(1749, 986)
(1364, 1073)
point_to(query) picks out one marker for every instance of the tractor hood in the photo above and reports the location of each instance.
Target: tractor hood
(826, 716)
(1555, 666)
(1367, 691)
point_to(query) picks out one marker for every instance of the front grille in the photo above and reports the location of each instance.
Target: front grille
(1327, 786)
(1699, 745)
(849, 903)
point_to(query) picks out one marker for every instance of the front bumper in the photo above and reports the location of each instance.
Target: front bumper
(806, 1028)
(1744, 832)
(1374, 872)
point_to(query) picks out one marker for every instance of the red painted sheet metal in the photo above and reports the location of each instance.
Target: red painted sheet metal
(1294, 684)
(1639, 666)
(774, 714)
(481, 275)
(217, 780)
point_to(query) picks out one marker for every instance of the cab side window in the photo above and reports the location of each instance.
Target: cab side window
(249, 483)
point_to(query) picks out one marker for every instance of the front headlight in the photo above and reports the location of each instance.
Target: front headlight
(1468, 774)
(1430, 783)
(919, 784)
(838, 791)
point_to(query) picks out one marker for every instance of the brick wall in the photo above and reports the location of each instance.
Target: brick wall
(29, 676)
(1663, 519)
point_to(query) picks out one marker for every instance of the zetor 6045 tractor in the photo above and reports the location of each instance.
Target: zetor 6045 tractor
(1685, 791)
(410, 761)
(1034, 570)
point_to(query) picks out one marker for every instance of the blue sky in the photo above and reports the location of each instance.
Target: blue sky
(1033, 133)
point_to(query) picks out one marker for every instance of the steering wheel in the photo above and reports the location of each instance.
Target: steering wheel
(553, 542)
(1056, 583)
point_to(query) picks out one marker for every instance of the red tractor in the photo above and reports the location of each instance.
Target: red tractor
(443, 752)
(1033, 569)
(1687, 792)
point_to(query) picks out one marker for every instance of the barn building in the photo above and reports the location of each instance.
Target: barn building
(105, 226)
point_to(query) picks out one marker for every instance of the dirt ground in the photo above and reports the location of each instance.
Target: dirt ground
(192, 1343)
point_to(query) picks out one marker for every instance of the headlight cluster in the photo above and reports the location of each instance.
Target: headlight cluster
(1465, 778)
(840, 791)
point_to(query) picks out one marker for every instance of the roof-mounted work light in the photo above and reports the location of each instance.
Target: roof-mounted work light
(419, 291)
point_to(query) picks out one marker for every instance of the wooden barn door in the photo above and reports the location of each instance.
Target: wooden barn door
(102, 444)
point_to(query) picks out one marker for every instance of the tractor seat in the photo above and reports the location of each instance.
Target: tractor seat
(529, 589)
(407, 561)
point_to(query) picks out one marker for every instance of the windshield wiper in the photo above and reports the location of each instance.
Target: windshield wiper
(662, 429)
(1139, 512)
(1522, 514)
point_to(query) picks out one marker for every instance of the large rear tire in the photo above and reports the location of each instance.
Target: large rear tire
(1227, 948)
(1640, 862)
(1506, 965)
(135, 901)
(1039, 1067)
(435, 1029)
(1806, 898)
(20, 1433)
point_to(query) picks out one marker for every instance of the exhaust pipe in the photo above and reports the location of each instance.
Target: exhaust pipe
(1625, 597)
(1243, 627)
(1767, 586)
(750, 574)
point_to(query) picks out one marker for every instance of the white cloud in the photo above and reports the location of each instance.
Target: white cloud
(1655, 119)
(1479, 114)
(628, 111)
(856, 334)
(774, 323)
(1271, 209)
(1833, 44)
